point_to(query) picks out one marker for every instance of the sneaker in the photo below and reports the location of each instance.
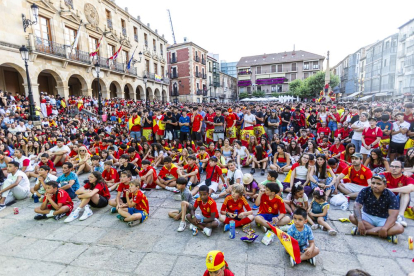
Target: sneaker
(88, 212)
(312, 261)
(114, 210)
(143, 191)
(192, 227)
(215, 196)
(172, 189)
(50, 215)
(315, 226)
(354, 231)
(252, 171)
(121, 218)
(158, 187)
(263, 172)
(393, 239)
(332, 232)
(40, 216)
(292, 262)
(264, 228)
(226, 227)
(207, 231)
(401, 220)
(182, 226)
(74, 215)
(284, 228)
(254, 207)
(58, 217)
(133, 223)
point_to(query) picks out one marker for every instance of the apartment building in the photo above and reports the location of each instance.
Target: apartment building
(188, 72)
(227, 91)
(229, 68)
(404, 83)
(56, 67)
(272, 73)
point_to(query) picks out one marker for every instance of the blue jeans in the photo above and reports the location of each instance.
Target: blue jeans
(71, 192)
(358, 144)
(283, 130)
(135, 134)
(328, 181)
(176, 134)
(333, 125)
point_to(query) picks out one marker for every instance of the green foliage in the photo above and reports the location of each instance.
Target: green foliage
(243, 95)
(312, 86)
(259, 94)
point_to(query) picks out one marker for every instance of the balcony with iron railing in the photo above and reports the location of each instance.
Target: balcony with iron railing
(117, 66)
(132, 70)
(154, 48)
(246, 72)
(103, 62)
(204, 76)
(315, 67)
(173, 60)
(199, 92)
(174, 93)
(49, 47)
(146, 43)
(198, 75)
(109, 24)
(124, 32)
(174, 75)
(203, 61)
(197, 58)
(80, 56)
(136, 37)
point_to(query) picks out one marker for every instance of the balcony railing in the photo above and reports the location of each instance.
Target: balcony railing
(197, 58)
(198, 75)
(117, 66)
(136, 37)
(203, 61)
(50, 47)
(222, 96)
(315, 67)
(132, 71)
(146, 43)
(244, 73)
(109, 23)
(173, 60)
(150, 76)
(204, 76)
(154, 48)
(199, 92)
(306, 67)
(79, 55)
(174, 75)
(103, 62)
(174, 93)
(69, 3)
(166, 80)
(403, 38)
(124, 32)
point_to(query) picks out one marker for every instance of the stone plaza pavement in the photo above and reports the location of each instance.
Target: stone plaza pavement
(103, 245)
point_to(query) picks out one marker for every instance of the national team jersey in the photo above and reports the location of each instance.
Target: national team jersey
(398, 182)
(122, 187)
(169, 173)
(271, 206)
(61, 196)
(358, 177)
(207, 208)
(203, 156)
(370, 135)
(149, 168)
(103, 189)
(189, 169)
(141, 202)
(111, 175)
(231, 206)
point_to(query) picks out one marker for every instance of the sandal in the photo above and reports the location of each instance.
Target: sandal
(332, 232)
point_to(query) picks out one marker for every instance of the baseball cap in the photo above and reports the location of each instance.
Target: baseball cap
(358, 155)
(215, 260)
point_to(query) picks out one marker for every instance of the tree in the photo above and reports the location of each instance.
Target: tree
(243, 95)
(259, 94)
(312, 86)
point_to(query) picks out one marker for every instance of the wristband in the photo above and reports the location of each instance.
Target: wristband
(202, 220)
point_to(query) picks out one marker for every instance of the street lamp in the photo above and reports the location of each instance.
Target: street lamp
(98, 70)
(146, 98)
(25, 56)
(27, 22)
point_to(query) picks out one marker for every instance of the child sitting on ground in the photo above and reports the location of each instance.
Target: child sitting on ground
(136, 210)
(272, 176)
(126, 166)
(44, 176)
(96, 164)
(191, 171)
(209, 213)
(301, 232)
(202, 159)
(233, 206)
(148, 175)
(187, 202)
(251, 186)
(56, 203)
(122, 188)
(296, 199)
(272, 209)
(318, 210)
(110, 175)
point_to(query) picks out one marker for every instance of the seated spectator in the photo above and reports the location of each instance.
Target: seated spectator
(136, 209)
(215, 263)
(213, 175)
(59, 153)
(168, 175)
(24, 162)
(148, 175)
(376, 162)
(376, 211)
(96, 165)
(234, 176)
(16, 185)
(337, 147)
(318, 212)
(110, 175)
(281, 160)
(187, 202)
(44, 176)
(69, 180)
(82, 161)
(191, 171)
(260, 159)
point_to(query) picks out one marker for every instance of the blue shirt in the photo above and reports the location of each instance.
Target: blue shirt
(64, 180)
(383, 126)
(185, 120)
(378, 207)
(303, 237)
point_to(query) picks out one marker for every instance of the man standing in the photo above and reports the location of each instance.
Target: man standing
(358, 176)
(399, 136)
(231, 120)
(134, 125)
(218, 126)
(170, 123)
(197, 120)
(16, 185)
(285, 116)
(184, 123)
(376, 211)
(249, 120)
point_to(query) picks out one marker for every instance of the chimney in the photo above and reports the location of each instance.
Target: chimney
(148, 25)
(185, 39)
(139, 18)
(126, 9)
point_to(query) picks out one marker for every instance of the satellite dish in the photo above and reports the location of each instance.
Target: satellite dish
(95, 75)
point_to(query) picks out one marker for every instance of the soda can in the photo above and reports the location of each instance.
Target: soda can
(410, 243)
(16, 210)
(349, 199)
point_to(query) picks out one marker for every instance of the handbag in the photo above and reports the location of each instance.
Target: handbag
(208, 181)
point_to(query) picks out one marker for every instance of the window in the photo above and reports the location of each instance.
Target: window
(162, 71)
(294, 67)
(258, 88)
(155, 68)
(111, 50)
(293, 77)
(387, 45)
(154, 46)
(108, 14)
(279, 88)
(125, 57)
(258, 70)
(70, 35)
(249, 89)
(198, 86)
(196, 70)
(315, 65)
(279, 68)
(123, 24)
(146, 40)
(273, 88)
(42, 29)
(93, 44)
(306, 66)
(305, 75)
(273, 68)
(147, 65)
(161, 49)
(385, 62)
(136, 34)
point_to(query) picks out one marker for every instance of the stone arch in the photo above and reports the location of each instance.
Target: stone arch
(77, 85)
(140, 93)
(157, 94)
(51, 82)
(103, 88)
(149, 94)
(164, 96)
(128, 91)
(115, 90)
(14, 78)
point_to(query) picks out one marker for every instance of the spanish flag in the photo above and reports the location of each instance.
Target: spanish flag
(290, 244)
(63, 103)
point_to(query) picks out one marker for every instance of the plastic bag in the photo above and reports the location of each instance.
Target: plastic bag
(338, 200)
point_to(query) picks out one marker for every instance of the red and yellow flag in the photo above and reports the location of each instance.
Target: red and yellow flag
(290, 244)
(63, 103)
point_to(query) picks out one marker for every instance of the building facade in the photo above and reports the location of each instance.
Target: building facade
(229, 68)
(404, 83)
(272, 73)
(55, 67)
(227, 91)
(187, 68)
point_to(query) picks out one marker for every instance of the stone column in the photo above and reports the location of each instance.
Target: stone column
(87, 92)
(63, 90)
(120, 94)
(35, 92)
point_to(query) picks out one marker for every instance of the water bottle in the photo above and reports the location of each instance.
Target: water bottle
(232, 232)
(345, 206)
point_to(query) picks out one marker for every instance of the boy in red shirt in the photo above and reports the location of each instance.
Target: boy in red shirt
(233, 206)
(110, 175)
(213, 173)
(56, 203)
(168, 176)
(134, 158)
(202, 158)
(209, 213)
(196, 120)
(136, 210)
(148, 175)
(191, 171)
(272, 208)
(123, 186)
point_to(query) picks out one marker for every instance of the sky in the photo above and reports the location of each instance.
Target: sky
(234, 29)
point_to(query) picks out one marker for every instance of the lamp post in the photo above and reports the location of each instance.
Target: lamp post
(27, 22)
(146, 99)
(98, 70)
(24, 52)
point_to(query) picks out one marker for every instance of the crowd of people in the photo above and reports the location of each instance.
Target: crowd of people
(364, 151)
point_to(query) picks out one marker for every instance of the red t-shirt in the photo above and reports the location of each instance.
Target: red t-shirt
(209, 118)
(62, 197)
(122, 187)
(264, 155)
(409, 118)
(169, 173)
(303, 140)
(136, 127)
(271, 206)
(341, 167)
(207, 208)
(203, 156)
(231, 206)
(49, 163)
(197, 122)
(398, 182)
(154, 173)
(112, 174)
(217, 173)
(136, 156)
(344, 132)
(325, 130)
(103, 189)
(230, 119)
(189, 169)
(358, 177)
(226, 273)
(371, 134)
(141, 202)
(335, 150)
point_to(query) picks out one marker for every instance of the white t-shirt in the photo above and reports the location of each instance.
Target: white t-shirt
(400, 138)
(24, 183)
(56, 148)
(300, 202)
(241, 152)
(250, 118)
(237, 175)
(49, 177)
(359, 124)
(301, 172)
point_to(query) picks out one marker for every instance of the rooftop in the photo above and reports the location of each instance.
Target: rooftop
(187, 43)
(409, 21)
(290, 56)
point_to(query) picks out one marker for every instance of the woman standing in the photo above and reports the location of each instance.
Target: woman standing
(358, 127)
(273, 122)
(371, 137)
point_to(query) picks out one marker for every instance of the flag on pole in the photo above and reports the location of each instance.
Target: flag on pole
(290, 244)
(116, 54)
(75, 42)
(92, 54)
(131, 59)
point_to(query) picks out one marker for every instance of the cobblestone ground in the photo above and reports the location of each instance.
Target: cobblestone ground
(102, 245)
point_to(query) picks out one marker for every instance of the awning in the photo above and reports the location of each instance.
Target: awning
(352, 95)
(381, 94)
(365, 98)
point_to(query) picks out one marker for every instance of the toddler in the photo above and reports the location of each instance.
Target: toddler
(318, 210)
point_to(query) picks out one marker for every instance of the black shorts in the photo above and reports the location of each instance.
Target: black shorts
(196, 136)
(397, 147)
(103, 202)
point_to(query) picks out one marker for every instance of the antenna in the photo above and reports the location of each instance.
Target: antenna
(172, 28)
